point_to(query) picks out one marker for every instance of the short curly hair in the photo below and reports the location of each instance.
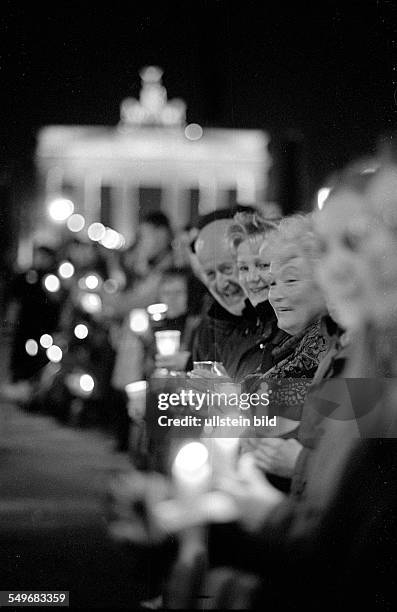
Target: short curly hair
(249, 225)
(295, 236)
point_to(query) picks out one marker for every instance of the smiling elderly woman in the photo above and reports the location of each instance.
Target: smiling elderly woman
(249, 237)
(299, 306)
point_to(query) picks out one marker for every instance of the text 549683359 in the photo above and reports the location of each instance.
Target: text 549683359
(34, 598)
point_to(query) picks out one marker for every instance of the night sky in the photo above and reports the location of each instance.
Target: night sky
(323, 74)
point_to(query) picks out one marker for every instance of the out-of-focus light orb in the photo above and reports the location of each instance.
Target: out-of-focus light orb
(92, 281)
(81, 331)
(66, 269)
(112, 239)
(139, 320)
(193, 131)
(191, 457)
(87, 383)
(322, 195)
(31, 347)
(52, 283)
(91, 303)
(54, 354)
(96, 232)
(157, 316)
(110, 285)
(60, 209)
(75, 223)
(46, 341)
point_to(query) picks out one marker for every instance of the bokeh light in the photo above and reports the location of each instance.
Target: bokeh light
(54, 354)
(46, 341)
(81, 331)
(87, 383)
(52, 283)
(191, 457)
(110, 285)
(112, 239)
(193, 131)
(91, 303)
(139, 320)
(92, 281)
(32, 348)
(60, 209)
(66, 269)
(75, 223)
(96, 231)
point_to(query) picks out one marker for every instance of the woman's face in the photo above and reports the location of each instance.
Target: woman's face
(294, 295)
(253, 265)
(357, 268)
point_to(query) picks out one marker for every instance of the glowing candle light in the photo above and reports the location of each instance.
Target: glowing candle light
(223, 455)
(168, 342)
(136, 392)
(191, 471)
(157, 311)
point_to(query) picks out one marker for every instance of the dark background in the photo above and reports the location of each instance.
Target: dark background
(320, 77)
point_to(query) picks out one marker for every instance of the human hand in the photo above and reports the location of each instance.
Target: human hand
(253, 495)
(202, 379)
(277, 456)
(174, 516)
(131, 501)
(248, 445)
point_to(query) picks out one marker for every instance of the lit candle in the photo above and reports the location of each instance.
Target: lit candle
(223, 455)
(224, 449)
(168, 342)
(191, 472)
(157, 311)
(136, 392)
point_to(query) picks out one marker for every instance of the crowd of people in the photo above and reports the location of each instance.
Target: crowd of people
(297, 513)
